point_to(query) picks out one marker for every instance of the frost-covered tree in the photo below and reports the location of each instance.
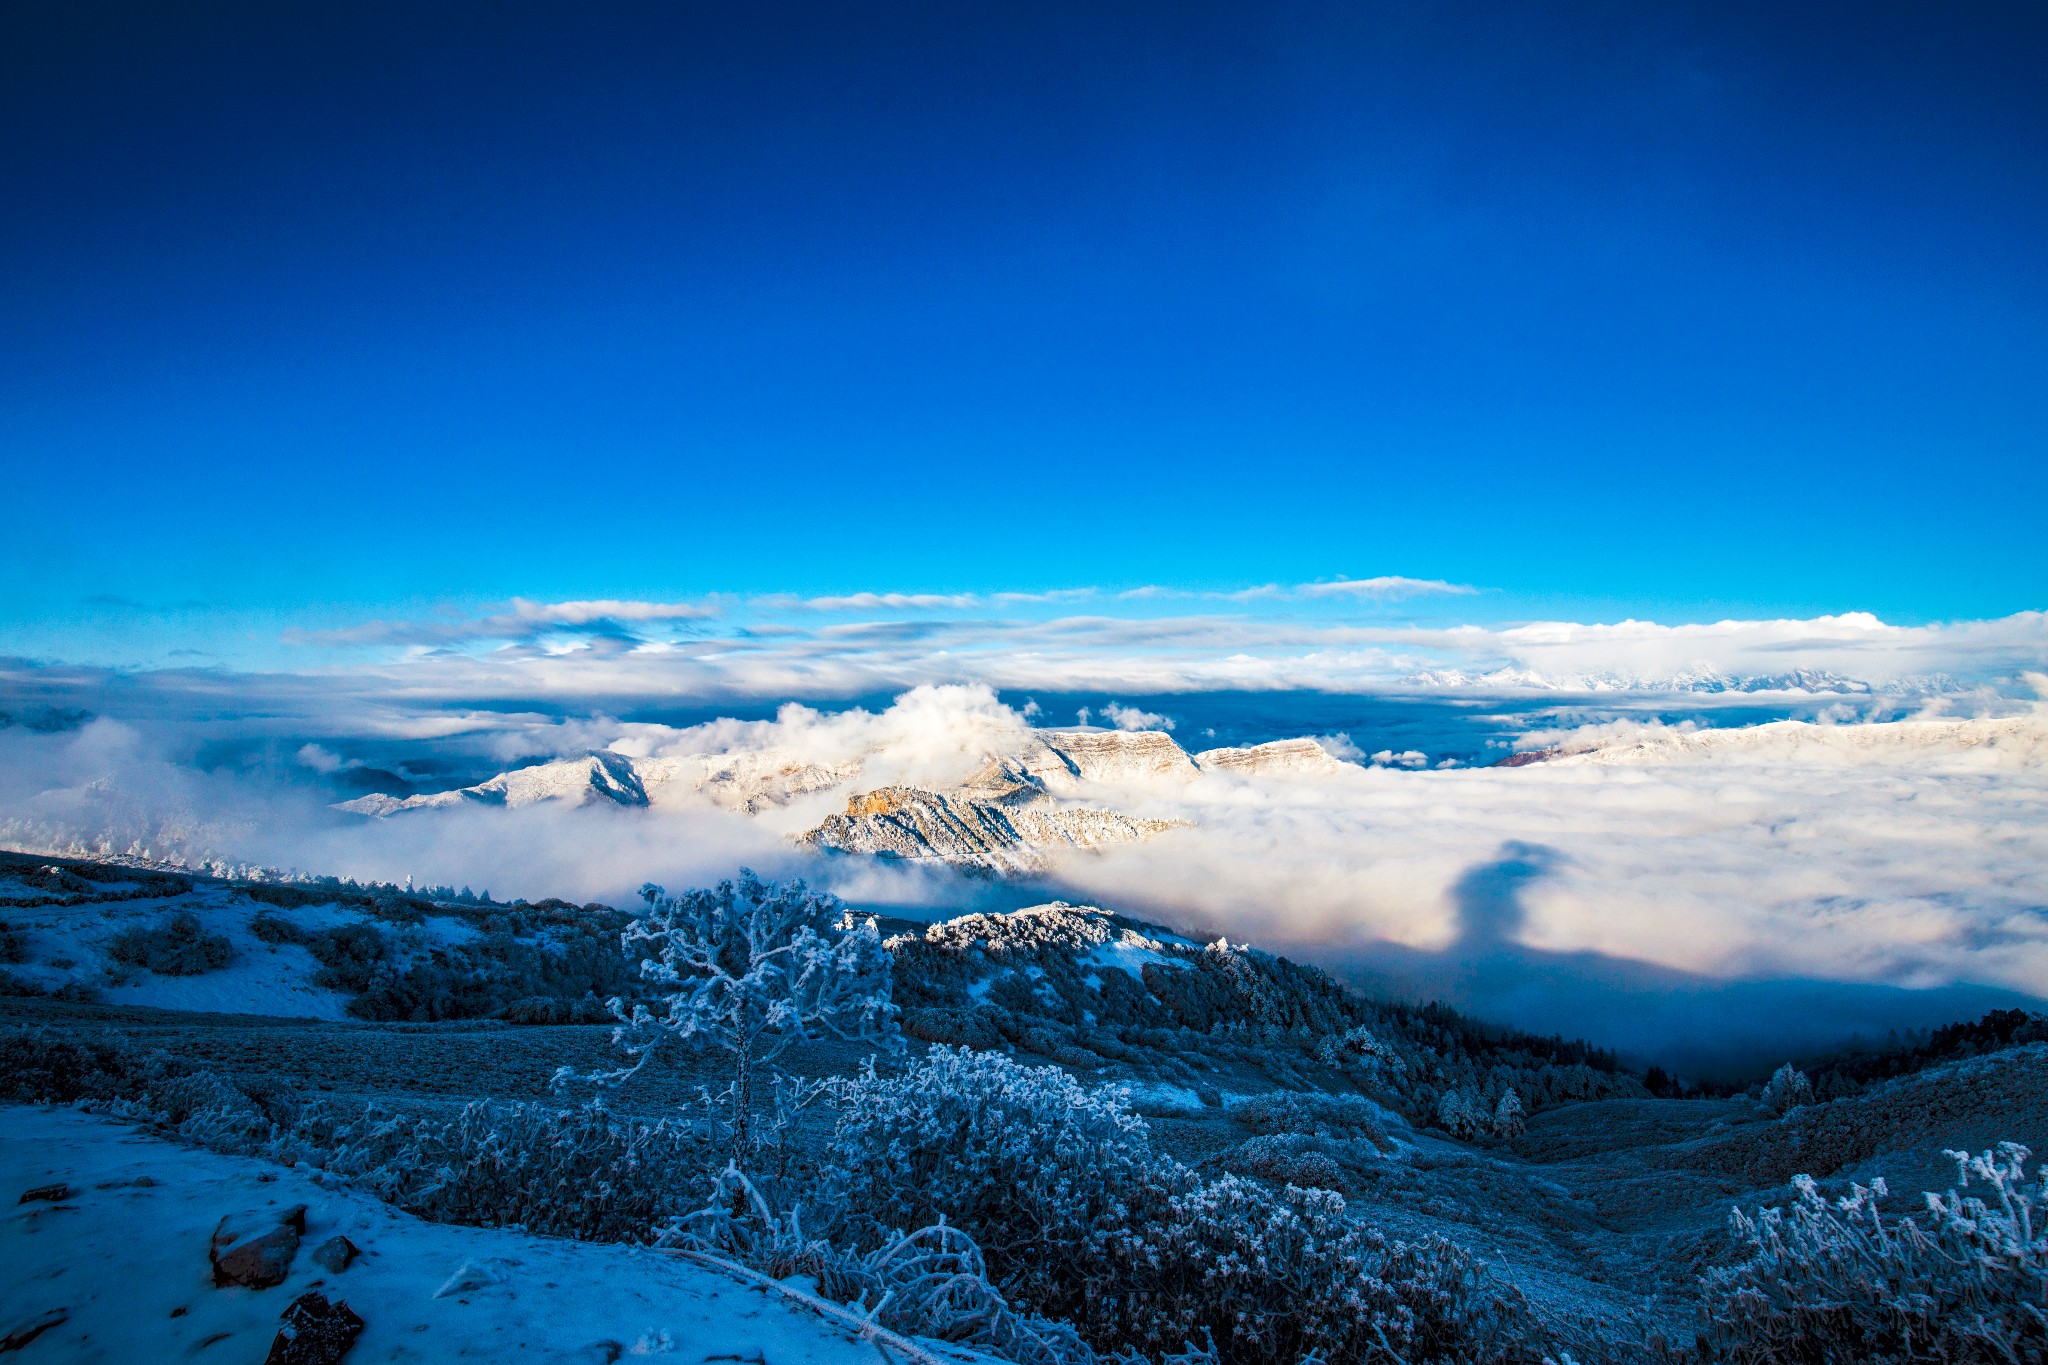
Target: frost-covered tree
(752, 968)
(1787, 1090)
(1508, 1115)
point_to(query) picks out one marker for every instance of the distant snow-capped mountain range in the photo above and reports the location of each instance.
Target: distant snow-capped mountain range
(1701, 679)
(1023, 806)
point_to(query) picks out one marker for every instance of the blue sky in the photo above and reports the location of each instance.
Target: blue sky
(1678, 311)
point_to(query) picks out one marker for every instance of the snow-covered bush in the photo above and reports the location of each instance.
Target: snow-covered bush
(1314, 1113)
(581, 1172)
(1025, 1158)
(931, 1283)
(1284, 1159)
(177, 947)
(1082, 1221)
(1787, 1090)
(1287, 1276)
(751, 968)
(1829, 1280)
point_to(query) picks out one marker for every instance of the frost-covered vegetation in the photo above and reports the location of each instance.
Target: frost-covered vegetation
(177, 947)
(1788, 1089)
(1856, 1069)
(552, 963)
(1081, 1220)
(1964, 1280)
(1013, 1200)
(750, 969)
(1088, 989)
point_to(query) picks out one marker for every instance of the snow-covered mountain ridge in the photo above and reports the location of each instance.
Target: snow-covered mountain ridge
(2005, 742)
(1701, 679)
(1015, 813)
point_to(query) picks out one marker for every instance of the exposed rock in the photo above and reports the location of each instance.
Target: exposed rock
(314, 1332)
(259, 1258)
(53, 1193)
(22, 1334)
(1120, 755)
(1015, 835)
(1280, 756)
(336, 1254)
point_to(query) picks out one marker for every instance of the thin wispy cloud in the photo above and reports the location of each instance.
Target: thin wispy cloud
(1384, 588)
(525, 620)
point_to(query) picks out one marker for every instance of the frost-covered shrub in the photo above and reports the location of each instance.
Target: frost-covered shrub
(1287, 1276)
(1284, 1159)
(1025, 1158)
(751, 968)
(177, 947)
(933, 1283)
(526, 968)
(13, 945)
(580, 1172)
(1080, 1220)
(39, 1066)
(1829, 1280)
(1787, 1090)
(1333, 1116)
(272, 928)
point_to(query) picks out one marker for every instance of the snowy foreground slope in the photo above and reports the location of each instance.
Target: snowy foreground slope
(123, 1257)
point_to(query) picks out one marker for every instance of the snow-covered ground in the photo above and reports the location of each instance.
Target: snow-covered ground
(126, 1263)
(71, 943)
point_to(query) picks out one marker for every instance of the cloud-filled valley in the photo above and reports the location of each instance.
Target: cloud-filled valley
(1873, 831)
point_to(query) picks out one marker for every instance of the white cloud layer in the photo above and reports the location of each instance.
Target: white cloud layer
(594, 651)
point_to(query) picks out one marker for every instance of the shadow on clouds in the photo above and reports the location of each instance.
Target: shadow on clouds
(1699, 1026)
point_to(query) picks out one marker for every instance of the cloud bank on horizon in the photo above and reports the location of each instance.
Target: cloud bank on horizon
(413, 675)
(1267, 637)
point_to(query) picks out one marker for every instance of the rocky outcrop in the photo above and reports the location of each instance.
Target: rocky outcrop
(999, 835)
(256, 1252)
(1120, 756)
(1291, 756)
(336, 1254)
(314, 1332)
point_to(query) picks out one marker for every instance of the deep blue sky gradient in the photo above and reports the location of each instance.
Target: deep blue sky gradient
(1684, 310)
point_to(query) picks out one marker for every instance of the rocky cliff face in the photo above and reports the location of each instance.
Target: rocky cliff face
(959, 828)
(1303, 756)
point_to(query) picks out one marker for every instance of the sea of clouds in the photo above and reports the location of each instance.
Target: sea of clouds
(1667, 882)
